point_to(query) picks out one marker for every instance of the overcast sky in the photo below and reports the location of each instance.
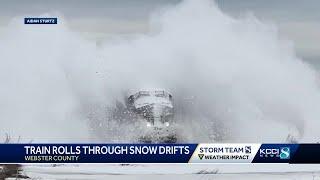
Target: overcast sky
(297, 19)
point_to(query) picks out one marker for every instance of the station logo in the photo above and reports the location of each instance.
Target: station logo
(282, 152)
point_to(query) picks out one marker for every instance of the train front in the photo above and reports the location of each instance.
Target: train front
(155, 109)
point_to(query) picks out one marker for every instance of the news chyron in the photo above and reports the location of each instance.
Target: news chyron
(39, 20)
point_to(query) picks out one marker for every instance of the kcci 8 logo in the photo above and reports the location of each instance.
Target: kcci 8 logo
(282, 153)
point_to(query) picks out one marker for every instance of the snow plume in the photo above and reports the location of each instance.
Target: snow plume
(234, 76)
(47, 73)
(233, 79)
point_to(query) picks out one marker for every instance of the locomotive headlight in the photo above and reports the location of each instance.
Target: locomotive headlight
(167, 124)
(148, 124)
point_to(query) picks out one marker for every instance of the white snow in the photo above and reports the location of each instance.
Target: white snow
(146, 100)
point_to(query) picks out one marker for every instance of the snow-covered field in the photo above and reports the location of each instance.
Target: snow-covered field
(173, 171)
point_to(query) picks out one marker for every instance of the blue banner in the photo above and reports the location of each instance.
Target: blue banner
(96, 153)
(275, 153)
(160, 153)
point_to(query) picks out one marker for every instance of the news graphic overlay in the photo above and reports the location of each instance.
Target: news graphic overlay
(275, 153)
(96, 153)
(224, 153)
(33, 20)
(160, 153)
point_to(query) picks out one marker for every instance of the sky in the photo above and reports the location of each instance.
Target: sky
(297, 20)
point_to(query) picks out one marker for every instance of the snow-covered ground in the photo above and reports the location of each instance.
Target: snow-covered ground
(173, 171)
